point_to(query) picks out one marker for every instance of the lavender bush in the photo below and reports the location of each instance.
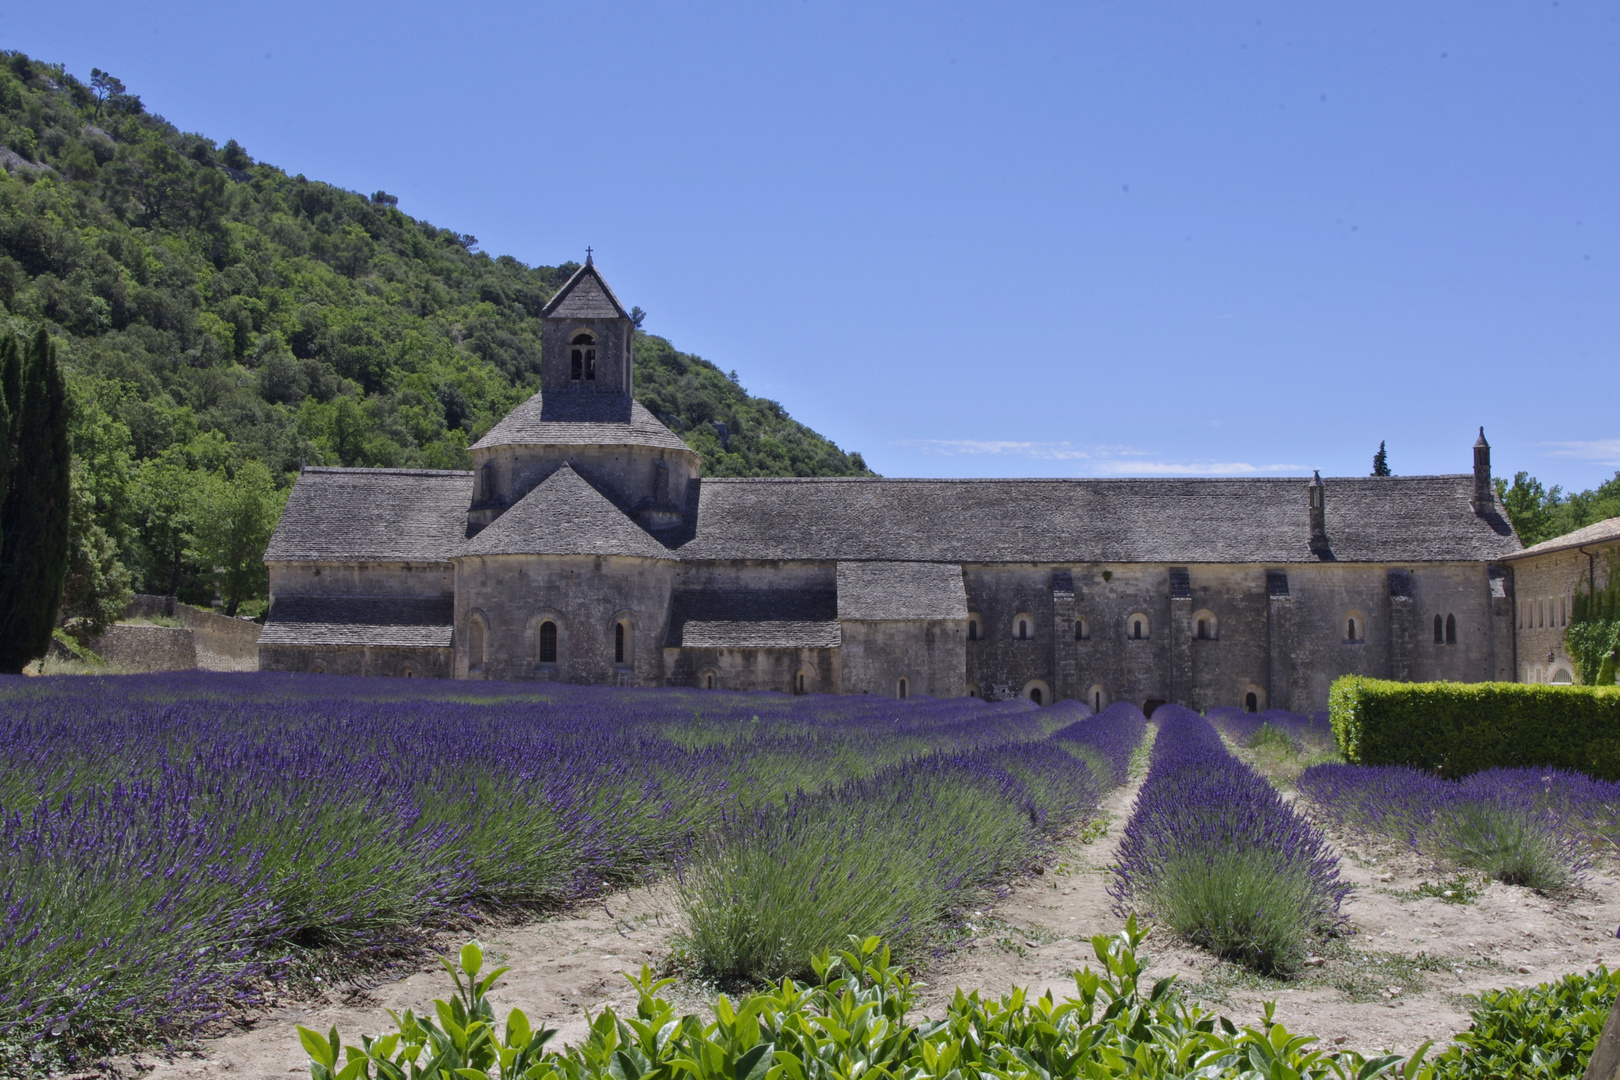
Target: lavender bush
(1105, 741)
(1215, 853)
(1533, 827)
(171, 841)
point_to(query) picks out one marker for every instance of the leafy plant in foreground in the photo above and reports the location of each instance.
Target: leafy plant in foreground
(852, 1020)
(1543, 1033)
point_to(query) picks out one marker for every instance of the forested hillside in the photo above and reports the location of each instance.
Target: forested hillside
(222, 322)
(1540, 514)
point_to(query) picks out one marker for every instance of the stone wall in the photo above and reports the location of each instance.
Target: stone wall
(403, 663)
(134, 647)
(510, 595)
(756, 669)
(1544, 591)
(222, 643)
(361, 579)
(624, 474)
(931, 655)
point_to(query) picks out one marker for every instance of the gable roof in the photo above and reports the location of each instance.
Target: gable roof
(873, 591)
(754, 618)
(377, 515)
(399, 622)
(585, 295)
(1602, 532)
(581, 418)
(1384, 519)
(564, 515)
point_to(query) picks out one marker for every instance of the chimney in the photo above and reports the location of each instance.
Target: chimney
(1319, 536)
(1484, 500)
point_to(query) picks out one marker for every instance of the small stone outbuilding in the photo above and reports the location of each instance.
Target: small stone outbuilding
(1548, 575)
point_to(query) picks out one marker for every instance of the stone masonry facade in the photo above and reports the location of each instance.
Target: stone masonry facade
(586, 546)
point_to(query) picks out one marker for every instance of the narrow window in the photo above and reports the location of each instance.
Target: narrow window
(486, 482)
(973, 629)
(1023, 630)
(1136, 629)
(1439, 631)
(1035, 695)
(319, 669)
(1451, 629)
(410, 673)
(1082, 632)
(708, 680)
(798, 683)
(1203, 630)
(1251, 702)
(903, 686)
(1096, 701)
(582, 358)
(1350, 630)
(618, 643)
(475, 643)
(548, 642)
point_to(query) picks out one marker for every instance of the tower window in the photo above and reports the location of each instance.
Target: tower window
(582, 358)
(486, 482)
(548, 642)
(1451, 629)
(1439, 630)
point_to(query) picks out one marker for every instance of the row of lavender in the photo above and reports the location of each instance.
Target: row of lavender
(169, 840)
(1534, 827)
(1216, 854)
(898, 853)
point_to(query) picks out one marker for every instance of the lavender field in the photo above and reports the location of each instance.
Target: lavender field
(173, 842)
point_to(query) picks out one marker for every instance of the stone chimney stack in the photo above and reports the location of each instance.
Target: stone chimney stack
(1484, 500)
(1319, 536)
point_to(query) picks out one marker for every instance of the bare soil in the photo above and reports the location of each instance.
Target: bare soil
(1399, 978)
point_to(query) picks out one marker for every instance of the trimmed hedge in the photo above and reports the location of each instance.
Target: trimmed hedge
(1460, 728)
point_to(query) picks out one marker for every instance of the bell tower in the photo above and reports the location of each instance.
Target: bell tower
(586, 338)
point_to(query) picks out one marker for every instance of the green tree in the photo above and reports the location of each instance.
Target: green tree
(1529, 507)
(1381, 461)
(167, 505)
(34, 553)
(96, 591)
(240, 514)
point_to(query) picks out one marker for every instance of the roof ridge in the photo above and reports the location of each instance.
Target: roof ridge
(1071, 479)
(355, 469)
(573, 282)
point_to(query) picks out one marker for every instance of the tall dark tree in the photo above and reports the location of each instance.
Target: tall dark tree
(34, 517)
(10, 388)
(1381, 461)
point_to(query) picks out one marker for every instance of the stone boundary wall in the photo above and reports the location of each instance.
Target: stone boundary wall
(223, 643)
(147, 648)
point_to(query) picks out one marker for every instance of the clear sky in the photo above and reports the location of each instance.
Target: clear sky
(1066, 239)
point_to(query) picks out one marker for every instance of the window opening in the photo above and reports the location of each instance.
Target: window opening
(582, 358)
(1082, 632)
(903, 686)
(1136, 629)
(618, 643)
(548, 642)
(798, 683)
(409, 673)
(1251, 702)
(1023, 630)
(1096, 701)
(1203, 630)
(1451, 629)
(708, 680)
(1035, 695)
(1350, 630)
(973, 629)
(475, 643)
(1439, 631)
(486, 482)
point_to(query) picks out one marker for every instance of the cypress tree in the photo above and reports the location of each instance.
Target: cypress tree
(10, 385)
(34, 515)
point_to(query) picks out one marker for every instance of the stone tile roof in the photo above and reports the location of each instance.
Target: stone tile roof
(564, 515)
(400, 622)
(1384, 519)
(580, 418)
(585, 295)
(874, 591)
(754, 619)
(373, 515)
(1602, 532)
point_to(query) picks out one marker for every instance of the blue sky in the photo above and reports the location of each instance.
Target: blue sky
(1071, 239)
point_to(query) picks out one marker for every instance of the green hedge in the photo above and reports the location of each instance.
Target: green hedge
(1461, 728)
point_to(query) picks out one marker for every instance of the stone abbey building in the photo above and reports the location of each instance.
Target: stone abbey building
(586, 546)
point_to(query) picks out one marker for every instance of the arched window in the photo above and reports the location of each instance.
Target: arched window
(408, 673)
(548, 642)
(1451, 629)
(1082, 629)
(1038, 692)
(475, 643)
(1439, 630)
(582, 358)
(903, 688)
(1023, 629)
(1251, 702)
(801, 680)
(1203, 630)
(1023, 626)
(1205, 625)
(972, 689)
(319, 669)
(1137, 627)
(974, 633)
(1561, 677)
(1355, 627)
(1035, 695)
(1098, 698)
(708, 678)
(618, 643)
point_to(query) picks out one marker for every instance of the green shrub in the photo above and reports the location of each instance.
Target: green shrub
(852, 1020)
(1240, 905)
(1507, 843)
(1537, 1034)
(1461, 728)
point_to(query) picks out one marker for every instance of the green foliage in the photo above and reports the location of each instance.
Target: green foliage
(198, 295)
(1543, 1033)
(1381, 461)
(36, 512)
(1242, 906)
(1593, 634)
(852, 1020)
(1460, 728)
(1505, 843)
(1538, 514)
(96, 591)
(239, 514)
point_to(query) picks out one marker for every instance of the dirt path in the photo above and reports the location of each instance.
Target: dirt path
(1396, 981)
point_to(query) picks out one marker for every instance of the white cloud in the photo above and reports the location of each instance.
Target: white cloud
(1104, 460)
(1602, 451)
